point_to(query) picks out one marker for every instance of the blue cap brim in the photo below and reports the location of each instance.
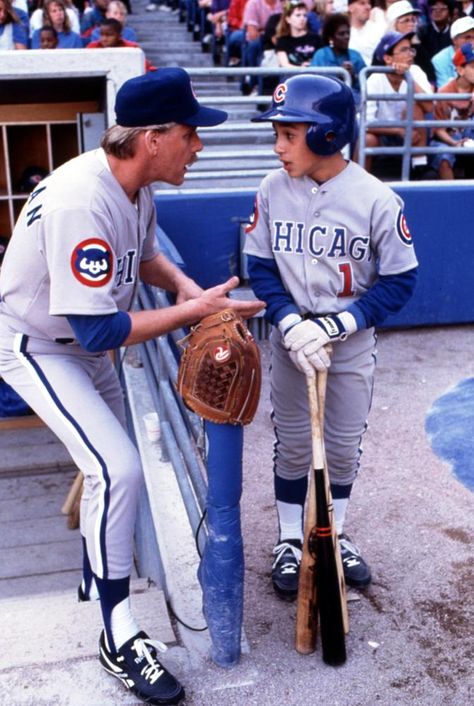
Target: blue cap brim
(206, 117)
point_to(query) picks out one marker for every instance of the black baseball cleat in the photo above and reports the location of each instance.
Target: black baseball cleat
(286, 568)
(356, 571)
(138, 668)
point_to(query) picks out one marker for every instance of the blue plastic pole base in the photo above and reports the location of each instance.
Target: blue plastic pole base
(221, 571)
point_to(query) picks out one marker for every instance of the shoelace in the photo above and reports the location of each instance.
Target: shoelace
(153, 669)
(348, 546)
(280, 550)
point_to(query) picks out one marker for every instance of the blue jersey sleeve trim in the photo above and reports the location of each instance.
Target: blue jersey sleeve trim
(267, 285)
(387, 296)
(101, 333)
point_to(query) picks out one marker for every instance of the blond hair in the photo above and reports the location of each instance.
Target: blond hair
(121, 141)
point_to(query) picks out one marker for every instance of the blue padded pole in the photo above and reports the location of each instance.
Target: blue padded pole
(221, 571)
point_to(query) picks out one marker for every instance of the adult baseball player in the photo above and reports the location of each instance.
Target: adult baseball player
(82, 241)
(330, 253)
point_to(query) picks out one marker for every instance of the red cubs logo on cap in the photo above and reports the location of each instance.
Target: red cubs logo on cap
(402, 229)
(279, 93)
(221, 354)
(92, 262)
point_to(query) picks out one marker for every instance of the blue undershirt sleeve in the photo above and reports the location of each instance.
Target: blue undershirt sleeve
(267, 285)
(101, 333)
(387, 296)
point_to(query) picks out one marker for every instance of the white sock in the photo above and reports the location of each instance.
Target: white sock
(340, 507)
(123, 623)
(290, 516)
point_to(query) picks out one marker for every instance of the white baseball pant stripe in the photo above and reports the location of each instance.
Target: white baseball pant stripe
(80, 399)
(348, 400)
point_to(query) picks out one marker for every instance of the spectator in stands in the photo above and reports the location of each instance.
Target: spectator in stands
(92, 19)
(22, 10)
(55, 15)
(217, 19)
(48, 38)
(235, 32)
(365, 33)
(462, 31)
(111, 38)
(38, 17)
(435, 36)
(256, 15)
(13, 33)
(295, 45)
(117, 10)
(321, 10)
(397, 52)
(467, 8)
(403, 17)
(378, 13)
(336, 52)
(444, 163)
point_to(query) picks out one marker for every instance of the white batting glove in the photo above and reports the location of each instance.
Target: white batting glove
(297, 333)
(305, 340)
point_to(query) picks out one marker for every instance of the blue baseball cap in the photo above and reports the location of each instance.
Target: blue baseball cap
(163, 96)
(388, 41)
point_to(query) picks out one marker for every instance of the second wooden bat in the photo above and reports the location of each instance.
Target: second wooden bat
(321, 589)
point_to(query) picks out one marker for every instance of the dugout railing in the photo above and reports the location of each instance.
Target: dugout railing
(407, 150)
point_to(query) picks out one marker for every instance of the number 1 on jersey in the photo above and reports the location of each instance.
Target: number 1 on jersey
(346, 271)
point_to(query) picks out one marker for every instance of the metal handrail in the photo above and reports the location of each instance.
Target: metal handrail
(182, 430)
(407, 150)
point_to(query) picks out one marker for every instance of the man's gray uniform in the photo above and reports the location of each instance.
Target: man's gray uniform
(76, 249)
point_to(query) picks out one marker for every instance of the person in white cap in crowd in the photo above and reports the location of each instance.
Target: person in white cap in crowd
(403, 17)
(462, 31)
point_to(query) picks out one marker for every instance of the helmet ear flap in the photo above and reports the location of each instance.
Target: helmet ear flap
(322, 140)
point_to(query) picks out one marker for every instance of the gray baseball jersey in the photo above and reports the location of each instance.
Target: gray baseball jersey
(331, 241)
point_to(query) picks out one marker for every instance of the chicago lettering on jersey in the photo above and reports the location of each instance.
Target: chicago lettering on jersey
(319, 241)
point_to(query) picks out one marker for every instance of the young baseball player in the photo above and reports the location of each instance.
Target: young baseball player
(82, 242)
(330, 253)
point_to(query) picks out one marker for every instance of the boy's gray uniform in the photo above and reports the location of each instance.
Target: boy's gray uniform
(76, 249)
(330, 243)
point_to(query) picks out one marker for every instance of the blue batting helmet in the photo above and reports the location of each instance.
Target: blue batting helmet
(326, 103)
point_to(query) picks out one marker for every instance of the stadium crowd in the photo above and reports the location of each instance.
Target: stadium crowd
(432, 40)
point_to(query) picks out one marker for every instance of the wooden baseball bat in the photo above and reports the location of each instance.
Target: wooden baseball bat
(327, 589)
(73, 500)
(306, 605)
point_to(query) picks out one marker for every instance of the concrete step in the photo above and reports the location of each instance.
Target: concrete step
(49, 648)
(31, 450)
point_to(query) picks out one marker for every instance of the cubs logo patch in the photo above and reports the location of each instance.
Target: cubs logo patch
(253, 219)
(279, 93)
(91, 262)
(221, 354)
(402, 229)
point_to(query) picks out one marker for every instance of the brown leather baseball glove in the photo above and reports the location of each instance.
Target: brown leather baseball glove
(219, 373)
